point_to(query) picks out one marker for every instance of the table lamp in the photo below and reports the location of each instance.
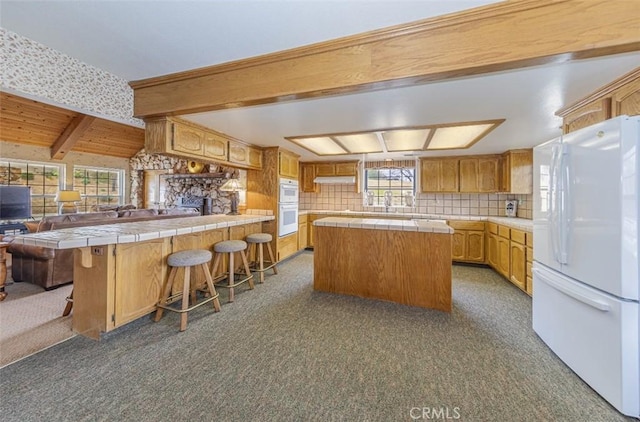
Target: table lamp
(67, 200)
(232, 186)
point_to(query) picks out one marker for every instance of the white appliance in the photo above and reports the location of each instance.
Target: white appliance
(585, 269)
(288, 207)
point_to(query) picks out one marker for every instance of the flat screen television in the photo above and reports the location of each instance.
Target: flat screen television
(15, 202)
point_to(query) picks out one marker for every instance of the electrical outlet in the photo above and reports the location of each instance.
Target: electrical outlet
(97, 250)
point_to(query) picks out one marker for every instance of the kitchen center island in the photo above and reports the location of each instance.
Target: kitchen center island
(402, 261)
(119, 269)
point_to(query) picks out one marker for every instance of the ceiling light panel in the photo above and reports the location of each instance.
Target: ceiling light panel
(405, 140)
(360, 143)
(457, 136)
(320, 146)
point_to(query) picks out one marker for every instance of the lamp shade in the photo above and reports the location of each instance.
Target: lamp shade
(68, 196)
(232, 185)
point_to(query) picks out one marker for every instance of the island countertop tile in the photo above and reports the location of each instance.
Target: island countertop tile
(419, 225)
(77, 237)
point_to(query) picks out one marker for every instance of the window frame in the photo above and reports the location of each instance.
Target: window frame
(84, 206)
(399, 193)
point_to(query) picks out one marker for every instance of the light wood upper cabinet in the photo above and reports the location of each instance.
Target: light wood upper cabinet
(621, 96)
(439, 174)
(517, 171)
(347, 169)
(215, 147)
(188, 140)
(479, 174)
(308, 173)
(288, 164)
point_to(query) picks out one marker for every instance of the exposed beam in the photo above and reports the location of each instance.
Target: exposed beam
(72, 134)
(501, 36)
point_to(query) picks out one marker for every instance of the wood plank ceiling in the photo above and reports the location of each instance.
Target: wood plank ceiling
(29, 122)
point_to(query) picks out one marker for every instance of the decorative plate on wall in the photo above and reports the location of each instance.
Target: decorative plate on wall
(195, 167)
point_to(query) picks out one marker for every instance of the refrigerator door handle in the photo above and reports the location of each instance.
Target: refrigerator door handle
(553, 201)
(564, 212)
(594, 303)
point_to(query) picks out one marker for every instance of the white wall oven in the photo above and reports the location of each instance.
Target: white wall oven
(288, 207)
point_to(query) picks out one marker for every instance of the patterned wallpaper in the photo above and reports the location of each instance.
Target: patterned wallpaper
(41, 72)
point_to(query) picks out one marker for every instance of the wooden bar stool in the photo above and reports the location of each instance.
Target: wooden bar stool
(186, 260)
(257, 240)
(230, 247)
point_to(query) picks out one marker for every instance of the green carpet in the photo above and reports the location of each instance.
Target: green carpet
(283, 352)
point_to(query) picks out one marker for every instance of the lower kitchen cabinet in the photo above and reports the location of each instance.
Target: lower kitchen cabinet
(302, 232)
(468, 241)
(518, 258)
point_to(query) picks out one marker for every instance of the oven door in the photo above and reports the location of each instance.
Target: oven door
(287, 219)
(288, 193)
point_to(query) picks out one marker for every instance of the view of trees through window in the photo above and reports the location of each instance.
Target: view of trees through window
(98, 186)
(399, 181)
(44, 179)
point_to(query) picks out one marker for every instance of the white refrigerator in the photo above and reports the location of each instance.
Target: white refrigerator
(585, 252)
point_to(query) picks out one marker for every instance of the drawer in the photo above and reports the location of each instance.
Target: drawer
(529, 254)
(529, 239)
(504, 231)
(517, 236)
(466, 225)
(493, 228)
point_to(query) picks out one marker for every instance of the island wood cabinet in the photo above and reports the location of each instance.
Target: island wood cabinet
(188, 140)
(288, 164)
(468, 243)
(517, 171)
(620, 97)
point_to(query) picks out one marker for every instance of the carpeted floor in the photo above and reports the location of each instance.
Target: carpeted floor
(31, 320)
(286, 353)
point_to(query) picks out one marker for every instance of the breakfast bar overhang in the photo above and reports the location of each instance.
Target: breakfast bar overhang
(407, 262)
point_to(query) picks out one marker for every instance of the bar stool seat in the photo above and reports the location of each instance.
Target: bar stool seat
(256, 240)
(186, 260)
(231, 247)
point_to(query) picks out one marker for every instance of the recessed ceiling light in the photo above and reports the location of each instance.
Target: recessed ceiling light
(406, 139)
(321, 146)
(360, 143)
(455, 137)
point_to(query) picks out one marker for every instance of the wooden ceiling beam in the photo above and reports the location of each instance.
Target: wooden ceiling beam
(72, 134)
(496, 37)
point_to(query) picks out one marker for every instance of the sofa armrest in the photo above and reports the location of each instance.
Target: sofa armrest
(30, 251)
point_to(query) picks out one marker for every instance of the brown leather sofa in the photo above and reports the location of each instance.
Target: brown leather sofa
(51, 268)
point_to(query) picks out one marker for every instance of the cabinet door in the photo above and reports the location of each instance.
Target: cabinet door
(155, 187)
(626, 99)
(518, 270)
(346, 169)
(308, 174)
(459, 245)
(215, 147)
(139, 276)
(187, 139)
(325, 169)
(488, 174)
(503, 257)
(469, 175)
(592, 113)
(448, 175)
(238, 153)
(429, 170)
(255, 158)
(475, 246)
(287, 165)
(302, 235)
(493, 251)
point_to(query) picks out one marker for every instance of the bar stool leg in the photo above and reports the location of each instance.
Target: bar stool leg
(69, 305)
(246, 268)
(261, 258)
(212, 289)
(273, 260)
(165, 293)
(185, 298)
(232, 295)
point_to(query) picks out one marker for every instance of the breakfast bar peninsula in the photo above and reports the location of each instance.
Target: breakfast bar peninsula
(119, 269)
(402, 261)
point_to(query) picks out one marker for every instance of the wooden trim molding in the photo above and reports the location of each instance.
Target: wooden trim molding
(71, 135)
(467, 43)
(600, 93)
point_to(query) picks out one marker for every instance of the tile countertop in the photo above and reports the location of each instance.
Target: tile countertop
(423, 225)
(134, 232)
(517, 223)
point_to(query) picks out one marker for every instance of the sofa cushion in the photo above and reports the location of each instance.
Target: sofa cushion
(48, 222)
(137, 213)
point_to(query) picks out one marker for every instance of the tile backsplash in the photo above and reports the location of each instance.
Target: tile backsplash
(343, 197)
